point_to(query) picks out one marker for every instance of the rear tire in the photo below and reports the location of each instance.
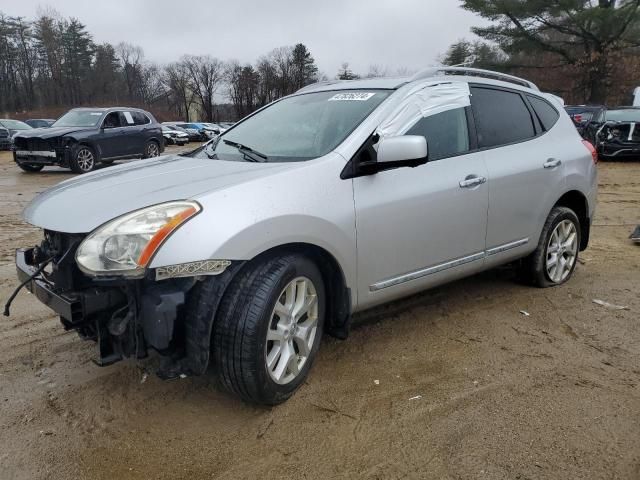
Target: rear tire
(151, 149)
(83, 159)
(29, 167)
(555, 259)
(268, 328)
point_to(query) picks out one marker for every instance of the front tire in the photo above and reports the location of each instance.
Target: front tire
(83, 159)
(29, 167)
(555, 258)
(268, 328)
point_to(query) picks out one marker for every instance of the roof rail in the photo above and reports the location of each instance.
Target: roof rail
(473, 72)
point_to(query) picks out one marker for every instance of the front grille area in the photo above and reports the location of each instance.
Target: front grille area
(4, 133)
(32, 144)
(63, 272)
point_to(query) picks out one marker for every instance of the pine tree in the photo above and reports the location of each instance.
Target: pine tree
(578, 32)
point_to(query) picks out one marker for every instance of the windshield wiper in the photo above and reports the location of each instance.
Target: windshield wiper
(249, 152)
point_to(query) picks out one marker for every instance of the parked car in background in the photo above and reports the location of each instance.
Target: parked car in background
(195, 135)
(84, 137)
(216, 128)
(338, 198)
(615, 132)
(14, 126)
(226, 125)
(40, 122)
(173, 136)
(5, 139)
(582, 115)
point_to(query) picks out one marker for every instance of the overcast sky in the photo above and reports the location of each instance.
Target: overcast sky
(394, 33)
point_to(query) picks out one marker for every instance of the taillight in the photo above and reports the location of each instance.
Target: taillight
(591, 148)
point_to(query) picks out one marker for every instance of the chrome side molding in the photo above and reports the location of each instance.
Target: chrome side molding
(407, 277)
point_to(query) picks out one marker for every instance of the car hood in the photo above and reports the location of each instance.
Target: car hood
(81, 204)
(50, 132)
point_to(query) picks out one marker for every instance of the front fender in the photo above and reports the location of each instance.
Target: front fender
(198, 240)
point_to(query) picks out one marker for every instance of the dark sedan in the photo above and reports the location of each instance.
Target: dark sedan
(84, 137)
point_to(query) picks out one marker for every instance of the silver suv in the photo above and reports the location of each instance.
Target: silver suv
(343, 196)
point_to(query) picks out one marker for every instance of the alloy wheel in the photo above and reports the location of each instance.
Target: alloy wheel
(85, 160)
(152, 150)
(292, 330)
(562, 251)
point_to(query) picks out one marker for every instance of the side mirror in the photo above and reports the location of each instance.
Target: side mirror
(406, 150)
(393, 152)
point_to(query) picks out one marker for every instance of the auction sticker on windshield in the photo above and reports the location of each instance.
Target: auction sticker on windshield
(353, 96)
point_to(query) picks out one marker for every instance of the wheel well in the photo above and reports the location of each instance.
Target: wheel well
(577, 202)
(339, 295)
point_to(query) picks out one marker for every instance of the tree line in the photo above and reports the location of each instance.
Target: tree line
(52, 63)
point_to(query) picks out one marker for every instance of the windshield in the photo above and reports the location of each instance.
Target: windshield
(15, 125)
(297, 128)
(79, 118)
(627, 115)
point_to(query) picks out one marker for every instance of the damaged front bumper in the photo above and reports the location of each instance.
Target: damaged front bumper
(124, 317)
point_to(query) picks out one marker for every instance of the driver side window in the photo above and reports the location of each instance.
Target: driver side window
(447, 133)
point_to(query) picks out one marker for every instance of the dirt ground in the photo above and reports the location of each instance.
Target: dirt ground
(455, 383)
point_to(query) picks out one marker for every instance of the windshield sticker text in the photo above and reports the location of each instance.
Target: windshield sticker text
(353, 96)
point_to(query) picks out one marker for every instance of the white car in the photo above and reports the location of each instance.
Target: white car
(173, 136)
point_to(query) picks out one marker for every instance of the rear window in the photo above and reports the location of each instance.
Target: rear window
(547, 115)
(501, 117)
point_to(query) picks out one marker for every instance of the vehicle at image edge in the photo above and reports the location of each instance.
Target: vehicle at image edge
(84, 137)
(615, 132)
(5, 139)
(582, 114)
(173, 136)
(40, 122)
(13, 126)
(338, 198)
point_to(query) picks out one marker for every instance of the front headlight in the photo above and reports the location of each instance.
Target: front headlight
(125, 245)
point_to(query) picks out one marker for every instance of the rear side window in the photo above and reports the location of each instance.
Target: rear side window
(447, 133)
(547, 115)
(501, 117)
(140, 118)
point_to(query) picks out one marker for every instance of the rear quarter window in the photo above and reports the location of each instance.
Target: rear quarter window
(501, 117)
(545, 112)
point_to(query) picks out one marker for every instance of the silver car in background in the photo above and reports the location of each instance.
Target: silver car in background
(341, 197)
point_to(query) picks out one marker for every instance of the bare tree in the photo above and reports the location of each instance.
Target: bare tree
(205, 76)
(177, 81)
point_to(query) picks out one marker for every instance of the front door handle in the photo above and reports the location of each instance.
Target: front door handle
(472, 181)
(552, 163)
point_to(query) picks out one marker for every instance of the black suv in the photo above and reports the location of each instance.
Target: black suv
(83, 137)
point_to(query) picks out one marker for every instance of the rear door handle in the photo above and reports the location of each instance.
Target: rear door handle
(552, 163)
(472, 181)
